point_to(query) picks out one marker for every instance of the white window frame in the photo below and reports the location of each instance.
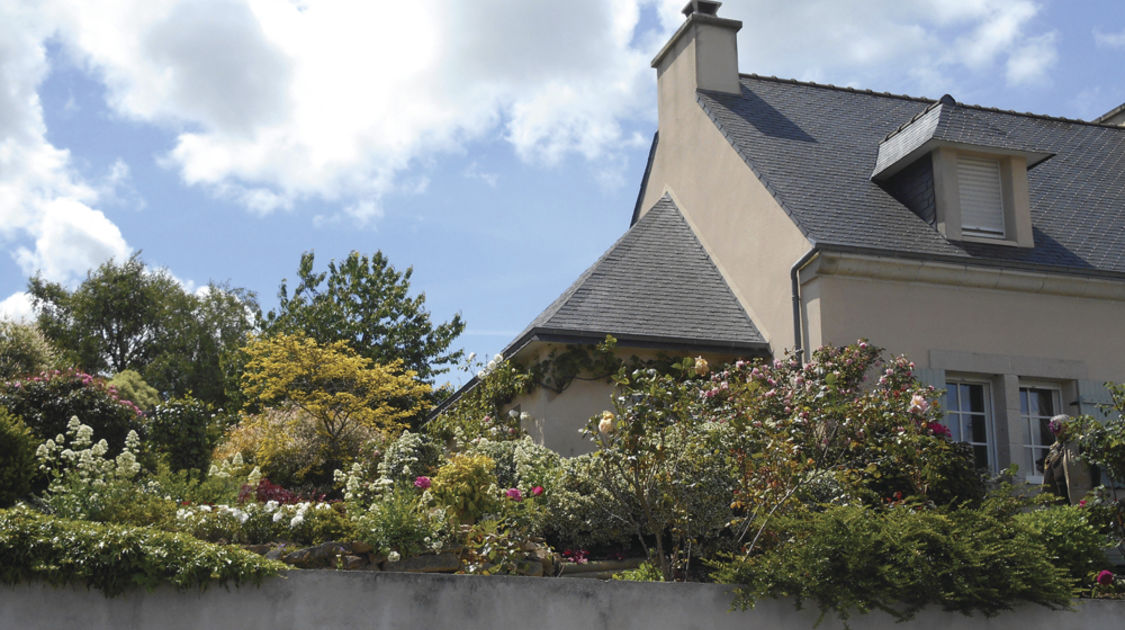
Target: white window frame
(954, 418)
(1029, 435)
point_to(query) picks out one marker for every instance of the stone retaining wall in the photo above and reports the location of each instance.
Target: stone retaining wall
(392, 601)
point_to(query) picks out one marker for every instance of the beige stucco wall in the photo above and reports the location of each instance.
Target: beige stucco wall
(750, 238)
(1005, 338)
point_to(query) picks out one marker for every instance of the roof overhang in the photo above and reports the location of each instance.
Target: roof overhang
(893, 159)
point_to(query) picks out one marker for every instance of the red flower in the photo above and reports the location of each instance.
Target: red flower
(1105, 578)
(536, 491)
(422, 482)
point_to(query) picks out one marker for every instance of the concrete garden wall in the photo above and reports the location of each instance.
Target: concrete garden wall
(390, 601)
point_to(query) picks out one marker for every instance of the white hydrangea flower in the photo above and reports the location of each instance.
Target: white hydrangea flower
(277, 516)
(393, 556)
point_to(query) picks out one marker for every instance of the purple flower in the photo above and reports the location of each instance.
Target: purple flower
(536, 491)
(514, 494)
(422, 482)
(1105, 578)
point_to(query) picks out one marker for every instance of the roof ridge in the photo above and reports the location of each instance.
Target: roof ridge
(923, 99)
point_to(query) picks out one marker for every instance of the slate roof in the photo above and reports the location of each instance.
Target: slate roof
(655, 284)
(815, 147)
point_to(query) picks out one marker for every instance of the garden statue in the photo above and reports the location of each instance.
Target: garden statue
(1063, 472)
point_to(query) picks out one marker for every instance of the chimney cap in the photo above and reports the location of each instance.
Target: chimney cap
(705, 7)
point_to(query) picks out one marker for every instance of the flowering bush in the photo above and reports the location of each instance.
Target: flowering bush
(581, 511)
(86, 483)
(254, 523)
(45, 403)
(480, 412)
(409, 456)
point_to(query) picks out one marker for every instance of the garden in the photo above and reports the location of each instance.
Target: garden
(831, 480)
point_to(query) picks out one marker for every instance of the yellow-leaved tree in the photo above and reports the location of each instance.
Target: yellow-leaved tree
(341, 391)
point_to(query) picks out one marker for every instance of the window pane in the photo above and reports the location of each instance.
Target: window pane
(1045, 436)
(980, 456)
(1023, 401)
(976, 398)
(980, 430)
(1046, 401)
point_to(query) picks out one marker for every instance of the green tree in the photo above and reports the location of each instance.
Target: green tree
(24, 350)
(131, 317)
(367, 303)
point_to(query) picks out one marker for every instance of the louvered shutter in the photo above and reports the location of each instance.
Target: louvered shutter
(982, 202)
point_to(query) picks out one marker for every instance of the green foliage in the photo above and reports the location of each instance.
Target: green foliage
(46, 402)
(1071, 541)
(185, 487)
(286, 446)
(115, 558)
(519, 463)
(24, 351)
(130, 385)
(466, 486)
(126, 316)
(582, 512)
(857, 558)
(17, 459)
(480, 411)
(185, 431)
(401, 521)
(303, 523)
(366, 303)
(647, 572)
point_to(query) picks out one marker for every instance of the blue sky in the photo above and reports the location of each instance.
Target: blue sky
(494, 146)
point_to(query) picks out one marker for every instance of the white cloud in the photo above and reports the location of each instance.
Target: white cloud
(274, 103)
(17, 308)
(71, 239)
(1030, 62)
(47, 219)
(1109, 40)
(923, 47)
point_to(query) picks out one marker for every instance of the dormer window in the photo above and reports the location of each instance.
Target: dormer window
(960, 174)
(981, 195)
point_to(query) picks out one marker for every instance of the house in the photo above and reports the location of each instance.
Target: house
(986, 245)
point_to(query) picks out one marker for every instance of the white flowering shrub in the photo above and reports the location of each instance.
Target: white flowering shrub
(410, 456)
(84, 482)
(404, 521)
(306, 522)
(581, 512)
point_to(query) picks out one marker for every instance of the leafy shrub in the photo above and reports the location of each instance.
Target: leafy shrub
(130, 385)
(17, 459)
(114, 558)
(519, 463)
(466, 485)
(1071, 541)
(644, 573)
(184, 431)
(858, 558)
(46, 402)
(287, 448)
(582, 513)
(480, 411)
(402, 522)
(184, 488)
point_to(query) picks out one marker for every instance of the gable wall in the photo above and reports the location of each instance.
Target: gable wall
(751, 239)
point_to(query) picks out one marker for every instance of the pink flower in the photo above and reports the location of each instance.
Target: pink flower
(422, 482)
(1082, 503)
(919, 404)
(514, 494)
(536, 491)
(1105, 578)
